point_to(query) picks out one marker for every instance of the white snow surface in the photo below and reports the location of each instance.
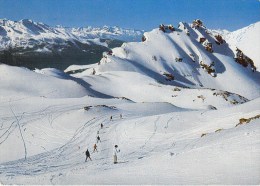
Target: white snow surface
(246, 39)
(48, 118)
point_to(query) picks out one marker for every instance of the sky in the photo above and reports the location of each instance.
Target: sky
(137, 14)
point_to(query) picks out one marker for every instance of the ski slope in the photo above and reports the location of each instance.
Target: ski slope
(181, 131)
(163, 147)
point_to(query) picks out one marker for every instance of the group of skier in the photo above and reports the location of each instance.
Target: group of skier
(116, 149)
(95, 145)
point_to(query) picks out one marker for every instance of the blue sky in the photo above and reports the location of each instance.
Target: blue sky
(139, 14)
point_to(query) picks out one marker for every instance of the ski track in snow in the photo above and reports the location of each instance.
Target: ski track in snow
(70, 156)
(33, 165)
(47, 162)
(61, 158)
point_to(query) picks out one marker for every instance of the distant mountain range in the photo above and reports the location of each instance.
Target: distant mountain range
(37, 45)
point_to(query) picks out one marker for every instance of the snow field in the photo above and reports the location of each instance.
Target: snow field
(158, 145)
(172, 132)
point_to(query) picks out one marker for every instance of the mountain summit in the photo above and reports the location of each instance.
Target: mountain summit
(189, 56)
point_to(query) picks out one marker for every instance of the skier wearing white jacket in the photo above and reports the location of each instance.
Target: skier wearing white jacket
(116, 150)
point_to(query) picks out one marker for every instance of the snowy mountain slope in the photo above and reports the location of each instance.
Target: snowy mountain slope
(140, 88)
(246, 39)
(49, 123)
(37, 45)
(23, 82)
(180, 124)
(151, 59)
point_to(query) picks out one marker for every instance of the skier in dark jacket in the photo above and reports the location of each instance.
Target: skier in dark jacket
(98, 139)
(87, 156)
(101, 126)
(111, 118)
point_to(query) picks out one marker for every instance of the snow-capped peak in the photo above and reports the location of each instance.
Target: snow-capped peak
(189, 55)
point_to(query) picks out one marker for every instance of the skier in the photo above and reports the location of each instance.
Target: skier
(98, 139)
(87, 156)
(121, 116)
(115, 154)
(94, 72)
(101, 126)
(95, 148)
(111, 118)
